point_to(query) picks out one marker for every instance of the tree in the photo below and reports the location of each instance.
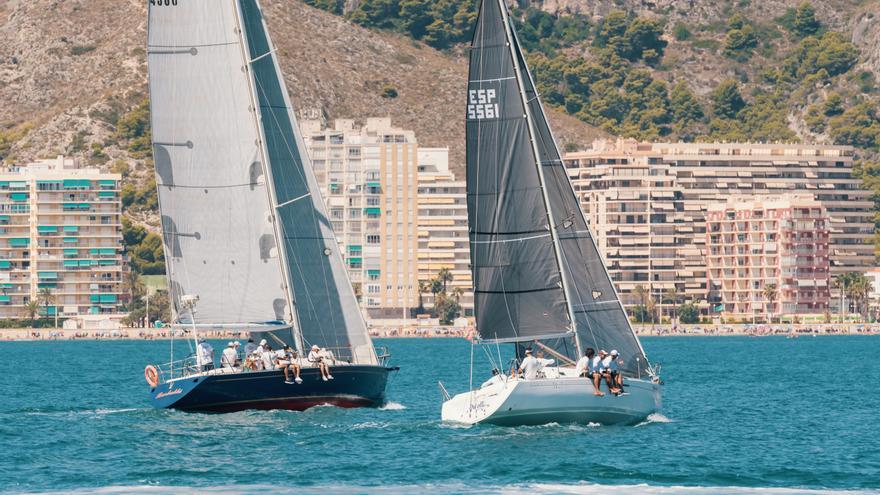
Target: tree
(684, 105)
(444, 275)
(688, 313)
(423, 287)
(31, 310)
(46, 298)
(671, 296)
(805, 22)
(727, 100)
(739, 42)
(770, 293)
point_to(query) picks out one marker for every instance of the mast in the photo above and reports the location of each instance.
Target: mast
(270, 189)
(529, 118)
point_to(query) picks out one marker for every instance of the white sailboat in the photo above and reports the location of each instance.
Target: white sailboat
(539, 280)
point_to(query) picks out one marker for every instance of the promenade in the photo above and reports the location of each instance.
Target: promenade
(47, 334)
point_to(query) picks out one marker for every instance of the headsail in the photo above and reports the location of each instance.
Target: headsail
(219, 240)
(517, 285)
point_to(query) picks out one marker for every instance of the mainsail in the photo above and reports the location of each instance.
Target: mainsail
(599, 317)
(244, 225)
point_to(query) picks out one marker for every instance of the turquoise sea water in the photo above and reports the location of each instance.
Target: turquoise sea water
(741, 416)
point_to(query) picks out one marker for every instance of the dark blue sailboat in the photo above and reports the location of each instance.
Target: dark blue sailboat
(247, 240)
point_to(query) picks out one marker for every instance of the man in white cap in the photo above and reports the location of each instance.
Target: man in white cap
(316, 360)
(614, 370)
(205, 355)
(531, 365)
(229, 356)
(607, 361)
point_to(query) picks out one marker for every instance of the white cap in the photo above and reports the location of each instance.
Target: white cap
(263, 342)
(315, 347)
(237, 343)
(614, 352)
(231, 344)
(603, 351)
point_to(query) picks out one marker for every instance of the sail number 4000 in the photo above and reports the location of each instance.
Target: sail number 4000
(164, 3)
(481, 104)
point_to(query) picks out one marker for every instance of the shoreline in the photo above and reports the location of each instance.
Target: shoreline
(49, 334)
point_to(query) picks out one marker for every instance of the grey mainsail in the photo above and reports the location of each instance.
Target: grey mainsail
(586, 289)
(233, 180)
(518, 293)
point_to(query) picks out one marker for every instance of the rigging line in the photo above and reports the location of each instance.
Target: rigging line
(523, 291)
(230, 186)
(267, 54)
(205, 45)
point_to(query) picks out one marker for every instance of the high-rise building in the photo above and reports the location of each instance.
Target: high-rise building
(398, 213)
(443, 228)
(369, 176)
(61, 232)
(647, 203)
(768, 256)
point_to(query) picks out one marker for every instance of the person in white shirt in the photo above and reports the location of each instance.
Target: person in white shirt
(583, 365)
(267, 356)
(595, 373)
(605, 371)
(249, 348)
(285, 359)
(327, 356)
(229, 357)
(205, 355)
(613, 367)
(316, 360)
(532, 366)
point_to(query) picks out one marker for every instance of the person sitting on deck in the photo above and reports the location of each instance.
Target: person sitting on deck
(605, 371)
(542, 362)
(316, 360)
(613, 369)
(205, 354)
(229, 357)
(286, 359)
(595, 373)
(582, 368)
(327, 356)
(249, 348)
(267, 356)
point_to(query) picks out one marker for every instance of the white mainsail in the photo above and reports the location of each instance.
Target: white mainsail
(245, 227)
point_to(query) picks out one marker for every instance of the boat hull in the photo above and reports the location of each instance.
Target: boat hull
(552, 400)
(352, 386)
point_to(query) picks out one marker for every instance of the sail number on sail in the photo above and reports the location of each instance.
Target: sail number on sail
(164, 3)
(481, 104)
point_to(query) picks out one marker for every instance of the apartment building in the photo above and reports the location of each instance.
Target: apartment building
(443, 228)
(647, 203)
(60, 229)
(369, 177)
(768, 256)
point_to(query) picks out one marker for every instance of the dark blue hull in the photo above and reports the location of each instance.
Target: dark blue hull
(353, 386)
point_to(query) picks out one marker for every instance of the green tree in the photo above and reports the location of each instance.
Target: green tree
(805, 22)
(684, 105)
(727, 100)
(857, 126)
(445, 276)
(770, 292)
(31, 310)
(688, 313)
(739, 42)
(46, 298)
(681, 32)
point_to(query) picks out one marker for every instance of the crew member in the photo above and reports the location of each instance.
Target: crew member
(229, 357)
(316, 360)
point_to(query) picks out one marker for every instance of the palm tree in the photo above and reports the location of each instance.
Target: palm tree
(46, 298)
(31, 310)
(770, 293)
(423, 287)
(671, 296)
(457, 293)
(444, 275)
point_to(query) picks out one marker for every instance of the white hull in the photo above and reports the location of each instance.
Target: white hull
(559, 397)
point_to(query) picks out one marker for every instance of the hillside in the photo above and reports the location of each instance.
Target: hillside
(69, 72)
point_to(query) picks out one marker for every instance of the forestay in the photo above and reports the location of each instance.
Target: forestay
(219, 240)
(327, 310)
(517, 285)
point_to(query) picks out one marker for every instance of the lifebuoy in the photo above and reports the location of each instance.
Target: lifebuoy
(152, 375)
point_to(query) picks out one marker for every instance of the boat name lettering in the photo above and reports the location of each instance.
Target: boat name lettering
(481, 104)
(164, 3)
(176, 391)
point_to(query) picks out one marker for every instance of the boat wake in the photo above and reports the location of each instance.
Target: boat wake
(655, 418)
(393, 406)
